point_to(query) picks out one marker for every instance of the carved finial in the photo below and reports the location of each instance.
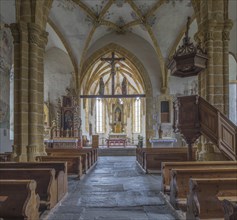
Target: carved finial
(186, 39)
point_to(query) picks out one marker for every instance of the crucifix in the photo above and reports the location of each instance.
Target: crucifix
(112, 61)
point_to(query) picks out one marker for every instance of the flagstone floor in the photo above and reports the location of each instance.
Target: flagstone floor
(115, 189)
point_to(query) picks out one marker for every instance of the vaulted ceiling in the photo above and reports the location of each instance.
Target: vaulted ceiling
(82, 23)
(79, 26)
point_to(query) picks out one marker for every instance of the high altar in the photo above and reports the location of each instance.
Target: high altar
(117, 137)
(66, 131)
(117, 124)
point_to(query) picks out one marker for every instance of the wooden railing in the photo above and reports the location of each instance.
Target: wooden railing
(206, 120)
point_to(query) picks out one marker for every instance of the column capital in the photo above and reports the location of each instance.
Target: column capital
(226, 30)
(34, 33)
(43, 39)
(17, 29)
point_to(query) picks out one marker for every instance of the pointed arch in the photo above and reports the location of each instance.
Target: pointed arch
(124, 52)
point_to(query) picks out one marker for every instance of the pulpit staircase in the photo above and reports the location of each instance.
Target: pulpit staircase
(194, 116)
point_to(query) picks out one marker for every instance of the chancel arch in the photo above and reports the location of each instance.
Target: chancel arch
(119, 114)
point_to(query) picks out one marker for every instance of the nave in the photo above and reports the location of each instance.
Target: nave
(115, 189)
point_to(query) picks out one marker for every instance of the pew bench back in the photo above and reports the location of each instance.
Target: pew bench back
(45, 179)
(25, 205)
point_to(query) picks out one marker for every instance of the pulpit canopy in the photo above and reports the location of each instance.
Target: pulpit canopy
(189, 59)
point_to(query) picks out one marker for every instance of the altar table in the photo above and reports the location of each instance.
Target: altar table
(162, 142)
(63, 143)
(116, 142)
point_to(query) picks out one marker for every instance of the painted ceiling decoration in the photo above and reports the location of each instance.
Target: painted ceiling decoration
(83, 23)
(120, 15)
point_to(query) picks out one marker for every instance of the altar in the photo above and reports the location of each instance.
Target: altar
(116, 142)
(117, 139)
(162, 142)
(63, 143)
(117, 135)
(66, 129)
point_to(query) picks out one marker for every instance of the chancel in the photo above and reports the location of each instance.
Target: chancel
(118, 103)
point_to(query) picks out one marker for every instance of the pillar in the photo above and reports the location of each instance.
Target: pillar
(29, 44)
(149, 119)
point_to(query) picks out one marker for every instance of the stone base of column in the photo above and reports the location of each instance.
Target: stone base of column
(18, 155)
(31, 153)
(199, 150)
(42, 151)
(209, 153)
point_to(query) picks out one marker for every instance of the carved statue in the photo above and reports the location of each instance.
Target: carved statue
(160, 132)
(102, 86)
(124, 86)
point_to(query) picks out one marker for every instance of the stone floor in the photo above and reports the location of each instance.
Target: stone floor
(115, 189)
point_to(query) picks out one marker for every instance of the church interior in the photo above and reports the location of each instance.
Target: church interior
(97, 95)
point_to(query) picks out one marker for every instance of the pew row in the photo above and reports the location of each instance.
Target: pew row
(19, 200)
(203, 202)
(60, 175)
(6, 156)
(168, 166)
(45, 179)
(89, 155)
(150, 159)
(74, 163)
(179, 184)
(230, 207)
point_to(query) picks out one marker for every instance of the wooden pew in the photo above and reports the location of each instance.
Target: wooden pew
(71, 152)
(230, 207)
(74, 163)
(45, 179)
(139, 156)
(153, 157)
(60, 169)
(93, 153)
(167, 166)
(18, 200)
(5, 156)
(89, 155)
(179, 184)
(202, 201)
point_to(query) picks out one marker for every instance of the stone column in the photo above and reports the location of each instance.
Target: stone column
(40, 104)
(28, 90)
(225, 39)
(214, 27)
(149, 120)
(34, 32)
(21, 83)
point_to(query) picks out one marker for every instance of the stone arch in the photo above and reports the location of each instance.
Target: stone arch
(132, 58)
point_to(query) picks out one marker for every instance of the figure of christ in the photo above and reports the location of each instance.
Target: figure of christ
(112, 61)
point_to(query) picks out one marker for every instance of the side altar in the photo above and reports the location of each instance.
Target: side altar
(66, 129)
(162, 142)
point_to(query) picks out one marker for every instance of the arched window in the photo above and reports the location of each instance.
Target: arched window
(99, 116)
(137, 116)
(232, 89)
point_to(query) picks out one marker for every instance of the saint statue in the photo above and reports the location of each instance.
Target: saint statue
(124, 86)
(102, 86)
(117, 115)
